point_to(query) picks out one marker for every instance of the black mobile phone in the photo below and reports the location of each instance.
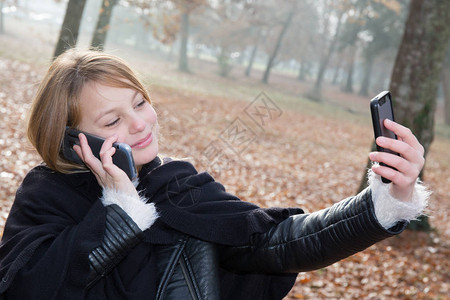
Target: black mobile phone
(381, 109)
(123, 157)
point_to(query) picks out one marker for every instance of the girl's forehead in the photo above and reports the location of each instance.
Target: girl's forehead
(97, 100)
(102, 91)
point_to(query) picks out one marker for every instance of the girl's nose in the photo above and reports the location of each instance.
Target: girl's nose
(137, 125)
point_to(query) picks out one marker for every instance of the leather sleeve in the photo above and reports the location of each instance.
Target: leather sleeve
(121, 235)
(311, 241)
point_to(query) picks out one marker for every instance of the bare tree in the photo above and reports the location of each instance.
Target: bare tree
(341, 8)
(186, 7)
(350, 41)
(184, 35)
(348, 87)
(418, 66)
(274, 53)
(382, 40)
(254, 51)
(236, 28)
(446, 87)
(1, 17)
(68, 35)
(417, 69)
(102, 27)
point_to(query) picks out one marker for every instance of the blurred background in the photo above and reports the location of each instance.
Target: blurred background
(309, 68)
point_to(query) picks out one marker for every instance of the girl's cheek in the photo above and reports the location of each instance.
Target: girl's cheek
(121, 139)
(150, 117)
(121, 135)
(153, 113)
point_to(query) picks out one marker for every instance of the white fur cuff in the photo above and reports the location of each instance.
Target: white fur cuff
(390, 210)
(143, 214)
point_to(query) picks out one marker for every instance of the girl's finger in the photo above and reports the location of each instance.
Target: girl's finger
(88, 157)
(405, 150)
(106, 152)
(404, 134)
(108, 143)
(396, 177)
(107, 174)
(78, 151)
(403, 166)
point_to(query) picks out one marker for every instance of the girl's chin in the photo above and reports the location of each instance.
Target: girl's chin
(141, 159)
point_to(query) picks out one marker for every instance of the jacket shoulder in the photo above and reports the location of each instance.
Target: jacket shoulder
(44, 185)
(40, 178)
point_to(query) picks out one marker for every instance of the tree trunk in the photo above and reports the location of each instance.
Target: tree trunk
(171, 54)
(446, 87)
(102, 27)
(348, 88)
(253, 54)
(223, 59)
(2, 29)
(316, 92)
(417, 69)
(380, 78)
(364, 91)
(418, 66)
(272, 57)
(141, 42)
(303, 70)
(251, 60)
(68, 35)
(337, 71)
(183, 59)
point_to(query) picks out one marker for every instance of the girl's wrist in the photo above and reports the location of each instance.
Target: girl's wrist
(389, 210)
(143, 214)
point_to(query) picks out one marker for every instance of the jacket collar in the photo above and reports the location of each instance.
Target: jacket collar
(86, 183)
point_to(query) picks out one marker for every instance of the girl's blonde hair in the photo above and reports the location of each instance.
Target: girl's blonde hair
(56, 104)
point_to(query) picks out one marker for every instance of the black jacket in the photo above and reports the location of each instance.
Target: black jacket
(57, 223)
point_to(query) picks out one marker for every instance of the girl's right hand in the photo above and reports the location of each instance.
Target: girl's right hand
(108, 175)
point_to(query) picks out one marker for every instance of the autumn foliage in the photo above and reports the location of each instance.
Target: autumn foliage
(296, 157)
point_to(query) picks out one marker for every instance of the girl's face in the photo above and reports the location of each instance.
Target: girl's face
(107, 111)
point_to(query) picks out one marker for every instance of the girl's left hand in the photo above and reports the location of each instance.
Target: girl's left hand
(409, 164)
(108, 175)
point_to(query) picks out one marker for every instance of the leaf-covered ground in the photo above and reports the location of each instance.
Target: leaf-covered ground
(289, 155)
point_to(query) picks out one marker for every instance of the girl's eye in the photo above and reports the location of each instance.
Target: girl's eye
(141, 103)
(112, 123)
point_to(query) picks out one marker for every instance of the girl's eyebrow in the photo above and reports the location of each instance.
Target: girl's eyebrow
(103, 113)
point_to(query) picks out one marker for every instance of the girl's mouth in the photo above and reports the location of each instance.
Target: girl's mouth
(144, 142)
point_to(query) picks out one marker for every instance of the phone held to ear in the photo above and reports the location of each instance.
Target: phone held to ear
(123, 157)
(381, 109)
